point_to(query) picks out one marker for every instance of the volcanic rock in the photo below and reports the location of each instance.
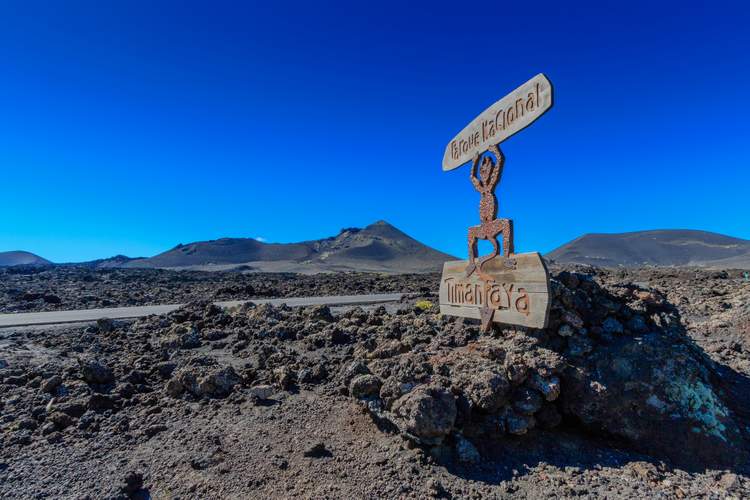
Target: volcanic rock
(261, 391)
(427, 413)
(60, 420)
(95, 372)
(51, 384)
(181, 336)
(363, 386)
(131, 483)
(466, 451)
(203, 378)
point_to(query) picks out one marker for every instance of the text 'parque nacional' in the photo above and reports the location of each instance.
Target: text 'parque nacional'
(507, 116)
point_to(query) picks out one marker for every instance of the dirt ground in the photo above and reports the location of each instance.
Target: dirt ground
(109, 410)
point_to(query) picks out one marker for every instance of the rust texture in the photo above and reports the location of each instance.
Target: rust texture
(490, 226)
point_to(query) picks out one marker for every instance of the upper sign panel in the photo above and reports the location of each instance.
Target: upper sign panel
(512, 113)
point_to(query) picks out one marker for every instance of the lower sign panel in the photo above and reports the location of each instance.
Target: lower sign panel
(513, 291)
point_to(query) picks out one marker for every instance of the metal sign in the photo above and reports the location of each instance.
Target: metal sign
(505, 288)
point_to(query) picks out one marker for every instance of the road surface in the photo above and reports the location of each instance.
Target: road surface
(82, 315)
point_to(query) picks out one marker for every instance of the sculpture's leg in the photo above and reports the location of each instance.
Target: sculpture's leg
(489, 231)
(495, 250)
(507, 230)
(471, 266)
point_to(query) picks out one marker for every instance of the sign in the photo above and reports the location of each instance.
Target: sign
(500, 287)
(516, 294)
(509, 115)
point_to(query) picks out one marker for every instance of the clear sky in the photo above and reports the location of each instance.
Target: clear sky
(128, 127)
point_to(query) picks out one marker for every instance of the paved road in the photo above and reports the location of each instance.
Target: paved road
(56, 317)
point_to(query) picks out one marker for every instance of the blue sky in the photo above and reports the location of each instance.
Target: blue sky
(128, 127)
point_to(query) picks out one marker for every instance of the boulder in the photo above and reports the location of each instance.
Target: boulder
(319, 313)
(352, 370)
(427, 413)
(51, 384)
(488, 390)
(60, 420)
(181, 336)
(96, 372)
(658, 395)
(465, 451)
(203, 381)
(647, 384)
(105, 325)
(219, 383)
(101, 402)
(261, 391)
(364, 386)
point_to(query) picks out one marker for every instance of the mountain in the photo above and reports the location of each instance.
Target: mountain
(379, 247)
(667, 247)
(21, 258)
(116, 261)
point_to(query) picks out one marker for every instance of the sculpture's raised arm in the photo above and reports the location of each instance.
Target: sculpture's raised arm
(499, 164)
(473, 172)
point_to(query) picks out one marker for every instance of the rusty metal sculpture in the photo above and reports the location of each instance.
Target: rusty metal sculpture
(490, 226)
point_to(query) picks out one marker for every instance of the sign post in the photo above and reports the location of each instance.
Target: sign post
(504, 288)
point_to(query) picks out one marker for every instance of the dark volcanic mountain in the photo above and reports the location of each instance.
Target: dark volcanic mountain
(21, 258)
(669, 247)
(377, 247)
(116, 261)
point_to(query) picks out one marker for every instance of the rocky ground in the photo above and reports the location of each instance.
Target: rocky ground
(30, 289)
(639, 388)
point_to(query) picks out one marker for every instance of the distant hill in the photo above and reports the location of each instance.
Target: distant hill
(21, 258)
(379, 247)
(667, 247)
(110, 262)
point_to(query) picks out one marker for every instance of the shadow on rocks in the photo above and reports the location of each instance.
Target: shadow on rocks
(640, 379)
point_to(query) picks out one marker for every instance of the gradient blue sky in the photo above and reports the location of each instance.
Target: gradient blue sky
(128, 127)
